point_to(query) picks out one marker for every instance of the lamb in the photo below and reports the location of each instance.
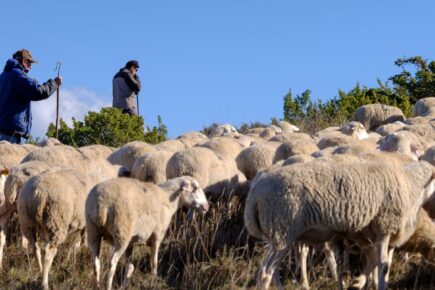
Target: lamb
(124, 211)
(216, 175)
(317, 200)
(404, 142)
(127, 154)
(425, 107)
(375, 115)
(48, 211)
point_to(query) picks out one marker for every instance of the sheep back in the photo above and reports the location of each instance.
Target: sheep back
(375, 115)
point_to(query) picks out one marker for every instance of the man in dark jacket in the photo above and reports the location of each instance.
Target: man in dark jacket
(126, 84)
(17, 90)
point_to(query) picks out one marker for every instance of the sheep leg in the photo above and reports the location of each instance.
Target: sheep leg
(267, 269)
(332, 263)
(117, 253)
(50, 253)
(363, 280)
(382, 253)
(4, 226)
(94, 245)
(154, 244)
(130, 266)
(303, 265)
(390, 260)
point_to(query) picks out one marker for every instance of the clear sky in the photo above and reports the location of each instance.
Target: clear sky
(203, 61)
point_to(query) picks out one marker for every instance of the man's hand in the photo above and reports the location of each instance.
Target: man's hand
(58, 80)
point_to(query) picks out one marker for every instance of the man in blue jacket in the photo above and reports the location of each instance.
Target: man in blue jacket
(17, 90)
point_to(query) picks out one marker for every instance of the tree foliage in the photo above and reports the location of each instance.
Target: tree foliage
(108, 127)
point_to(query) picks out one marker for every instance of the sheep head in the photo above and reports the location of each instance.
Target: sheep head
(191, 195)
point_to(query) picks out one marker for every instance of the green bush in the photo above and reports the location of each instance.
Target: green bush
(108, 127)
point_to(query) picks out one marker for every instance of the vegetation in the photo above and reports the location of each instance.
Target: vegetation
(108, 127)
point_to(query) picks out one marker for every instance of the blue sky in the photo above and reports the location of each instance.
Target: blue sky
(212, 61)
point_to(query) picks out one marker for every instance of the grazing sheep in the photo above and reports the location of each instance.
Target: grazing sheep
(288, 137)
(151, 167)
(224, 147)
(375, 115)
(224, 130)
(127, 154)
(193, 138)
(425, 107)
(216, 175)
(123, 211)
(294, 147)
(425, 132)
(256, 158)
(270, 131)
(51, 206)
(319, 200)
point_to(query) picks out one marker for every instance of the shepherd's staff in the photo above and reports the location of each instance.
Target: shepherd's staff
(137, 97)
(58, 65)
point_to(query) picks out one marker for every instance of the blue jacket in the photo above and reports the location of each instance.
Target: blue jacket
(17, 90)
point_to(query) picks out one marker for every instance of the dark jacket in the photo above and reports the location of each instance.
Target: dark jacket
(17, 90)
(125, 87)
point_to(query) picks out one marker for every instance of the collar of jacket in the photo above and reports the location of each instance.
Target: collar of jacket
(13, 63)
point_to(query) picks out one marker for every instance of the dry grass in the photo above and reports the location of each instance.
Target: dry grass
(211, 252)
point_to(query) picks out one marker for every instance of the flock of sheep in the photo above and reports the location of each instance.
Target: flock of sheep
(369, 183)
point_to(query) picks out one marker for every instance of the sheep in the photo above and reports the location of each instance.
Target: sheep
(425, 132)
(151, 167)
(341, 136)
(419, 120)
(405, 142)
(49, 142)
(390, 128)
(127, 154)
(51, 206)
(224, 130)
(12, 186)
(224, 147)
(193, 138)
(294, 147)
(424, 107)
(287, 128)
(216, 175)
(270, 131)
(375, 115)
(11, 154)
(124, 211)
(172, 145)
(317, 200)
(288, 137)
(96, 151)
(256, 158)
(429, 155)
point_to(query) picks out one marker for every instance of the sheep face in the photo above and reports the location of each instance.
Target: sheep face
(193, 196)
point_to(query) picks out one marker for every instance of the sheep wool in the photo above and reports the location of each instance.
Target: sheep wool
(375, 115)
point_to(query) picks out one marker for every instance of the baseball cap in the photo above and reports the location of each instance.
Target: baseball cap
(24, 54)
(131, 63)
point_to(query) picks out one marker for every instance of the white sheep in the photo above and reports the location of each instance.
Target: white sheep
(96, 151)
(375, 115)
(287, 128)
(216, 175)
(127, 154)
(346, 134)
(405, 142)
(11, 154)
(256, 158)
(124, 211)
(51, 206)
(390, 128)
(424, 107)
(224, 130)
(151, 167)
(319, 200)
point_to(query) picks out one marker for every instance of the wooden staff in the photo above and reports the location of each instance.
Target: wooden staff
(58, 65)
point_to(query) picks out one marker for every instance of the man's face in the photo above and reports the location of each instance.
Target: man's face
(27, 64)
(133, 70)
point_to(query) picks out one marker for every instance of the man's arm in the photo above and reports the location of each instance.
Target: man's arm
(133, 82)
(31, 90)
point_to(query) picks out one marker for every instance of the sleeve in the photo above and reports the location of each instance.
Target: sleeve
(133, 82)
(31, 90)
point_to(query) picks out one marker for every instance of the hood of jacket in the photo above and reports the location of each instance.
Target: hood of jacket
(11, 64)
